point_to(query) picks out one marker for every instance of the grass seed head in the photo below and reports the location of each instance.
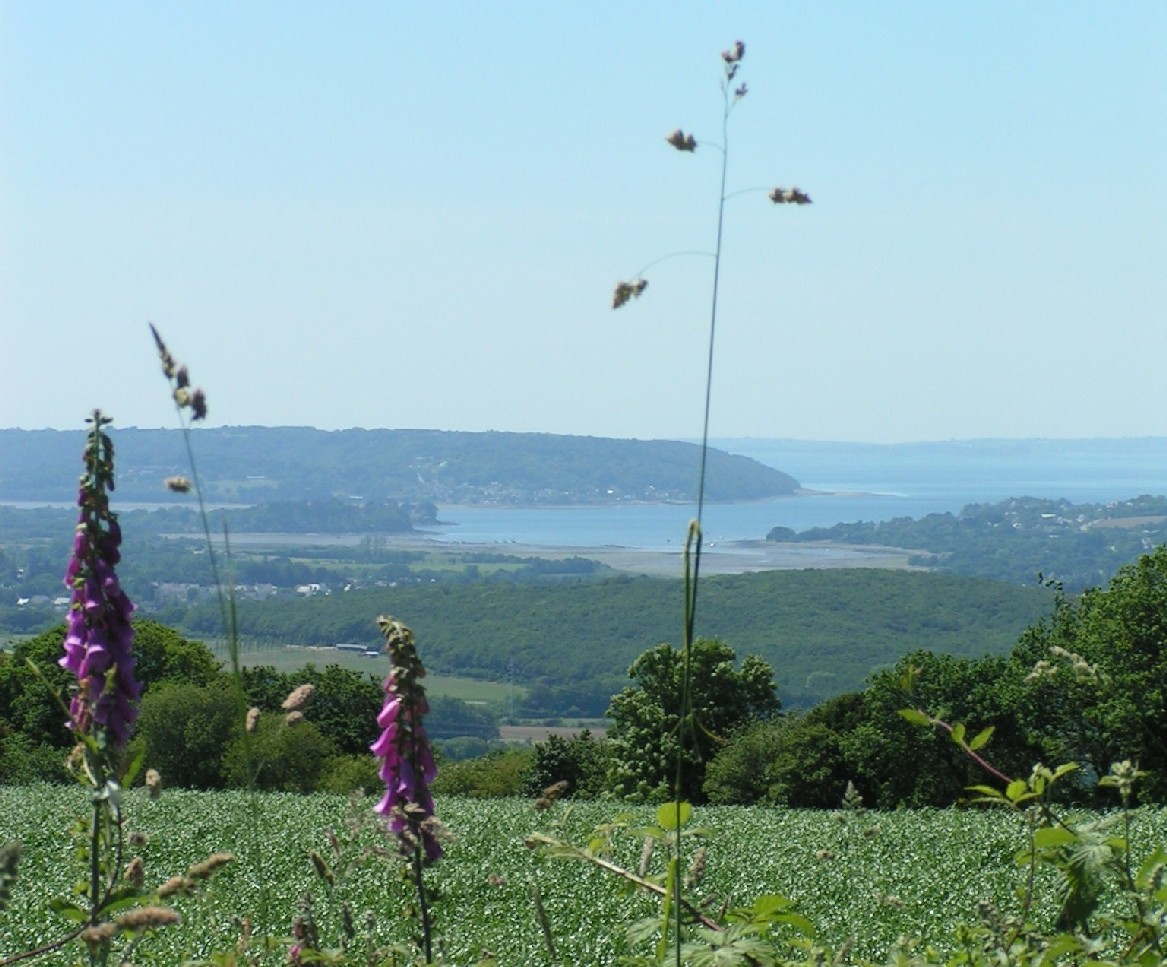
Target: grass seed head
(299, 697)
(147, 918)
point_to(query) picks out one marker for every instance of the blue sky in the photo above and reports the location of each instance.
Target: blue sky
(412, 215)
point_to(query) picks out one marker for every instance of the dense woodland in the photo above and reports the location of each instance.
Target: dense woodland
(570, 644)
(255, 464)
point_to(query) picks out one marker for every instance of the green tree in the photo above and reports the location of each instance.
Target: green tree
(344, 706)
(30, 700)
(654, 724)
(282, 757)
(161, 654)
(801, 761)
(493, 776)
(581, 761)
(1101, 694)
(898, 763)
(185, 731)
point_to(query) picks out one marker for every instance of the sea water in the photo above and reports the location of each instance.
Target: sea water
(853, 482)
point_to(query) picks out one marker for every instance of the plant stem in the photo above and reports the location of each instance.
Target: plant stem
(423, 905)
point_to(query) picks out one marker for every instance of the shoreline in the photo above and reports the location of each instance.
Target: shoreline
(733, 557)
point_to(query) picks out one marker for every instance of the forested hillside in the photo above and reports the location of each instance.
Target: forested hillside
(824, 632)
(256, 464)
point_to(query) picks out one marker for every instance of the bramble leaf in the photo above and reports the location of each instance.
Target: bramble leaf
(673, 815)
(981, 739)
(915, 716)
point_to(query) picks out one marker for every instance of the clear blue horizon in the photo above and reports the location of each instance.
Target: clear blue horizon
(408, 215)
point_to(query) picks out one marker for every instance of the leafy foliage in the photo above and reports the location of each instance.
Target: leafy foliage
(572, 644)
(655, 722)
(185, 731)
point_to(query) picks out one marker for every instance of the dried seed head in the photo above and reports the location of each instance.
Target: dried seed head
(198, 405)
(682, 141)
(789, 196)
(207, 868)
(645, 856)
(628, 290)
(168, 367)
(147, 918)
(322, 869)
(100, 934)
(135, 873)
(153, 783)
(176, 885)
(293, 718)
(298, 697)
(696, 868)
(735, 53)
(252, 719)
(180, 485)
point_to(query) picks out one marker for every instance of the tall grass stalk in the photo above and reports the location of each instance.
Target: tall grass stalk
(687, 725)
(185, 399)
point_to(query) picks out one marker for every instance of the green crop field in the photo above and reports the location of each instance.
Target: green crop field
(868, 875)
(288, 658)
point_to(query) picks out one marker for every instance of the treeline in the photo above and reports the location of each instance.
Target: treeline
(191, 719)
(165, 554)
(261, 464)
(570, 645)
(1082, 687)
(1077, 545)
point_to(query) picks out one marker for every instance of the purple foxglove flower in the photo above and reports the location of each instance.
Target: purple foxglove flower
(407, 761)
(99, 638)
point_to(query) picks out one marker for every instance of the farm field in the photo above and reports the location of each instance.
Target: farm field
(868, 875)
(290, 658)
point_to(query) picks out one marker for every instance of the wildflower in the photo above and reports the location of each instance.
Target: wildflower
(407, 762)
(99, 638)
(252, 719)
(628, 290)
(153, 783)
(180, 485)
(682, 141)
(293, 718)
